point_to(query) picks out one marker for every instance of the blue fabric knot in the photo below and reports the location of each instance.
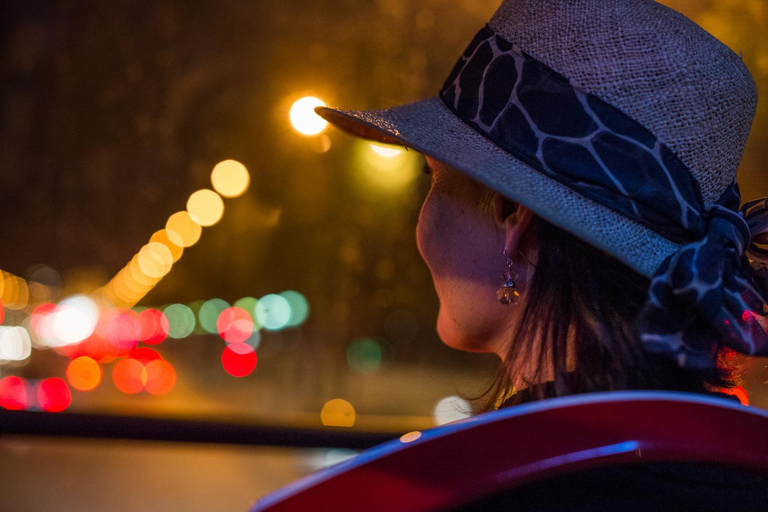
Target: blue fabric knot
(729, 227)
(709, 294)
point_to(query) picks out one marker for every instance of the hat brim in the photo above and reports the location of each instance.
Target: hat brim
(430, 128)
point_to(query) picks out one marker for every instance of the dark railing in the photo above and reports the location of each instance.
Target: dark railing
(184, 431)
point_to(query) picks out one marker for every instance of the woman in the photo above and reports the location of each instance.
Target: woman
(583, 220)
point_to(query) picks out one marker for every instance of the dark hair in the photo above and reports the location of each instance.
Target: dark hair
(585, 295)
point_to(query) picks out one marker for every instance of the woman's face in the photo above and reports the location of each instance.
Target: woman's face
(461, 236)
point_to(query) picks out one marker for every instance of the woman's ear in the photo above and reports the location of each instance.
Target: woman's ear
(516, 225)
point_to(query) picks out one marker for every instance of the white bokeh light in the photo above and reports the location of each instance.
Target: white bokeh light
(74, 320)
(303, 117)
(385, 151)
(15, 344)
(450, 409)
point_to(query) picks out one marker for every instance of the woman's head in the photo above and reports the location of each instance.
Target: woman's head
(602, 148)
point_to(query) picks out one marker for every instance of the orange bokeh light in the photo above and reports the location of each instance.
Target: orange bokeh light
(160, 377)
(127, 376)
(84, 373)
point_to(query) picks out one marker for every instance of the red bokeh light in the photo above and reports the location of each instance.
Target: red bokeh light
(100, 349)
(161, 377)
(235, 325)
(2, 312)
(238, 359)
(123, 331)
(144, 354)
(13, 393)
(153, 326)
(128, 376)
(53, 394)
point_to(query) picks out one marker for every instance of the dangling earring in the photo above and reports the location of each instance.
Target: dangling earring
(507, 294)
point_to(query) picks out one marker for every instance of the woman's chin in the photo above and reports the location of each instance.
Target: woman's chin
(452, 336)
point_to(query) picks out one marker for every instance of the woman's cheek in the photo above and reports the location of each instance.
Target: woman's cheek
(425, 231)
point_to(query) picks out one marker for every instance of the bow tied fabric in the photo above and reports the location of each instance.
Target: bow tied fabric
(708, 293)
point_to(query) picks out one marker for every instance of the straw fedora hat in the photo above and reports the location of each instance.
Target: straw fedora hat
(636, 70)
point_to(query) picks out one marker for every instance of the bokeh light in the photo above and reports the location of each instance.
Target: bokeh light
(37, 321)
(386, 167)
(153, 326)
(337, 413)
(123, 330)
(73, 320)
(155, 260)
(230, 178)
(209, 314)
(45, 275)
(249, 304)
(254, 340)
(14, 291)
(40, 293)
(161, 237)
(386, 151)
(450, 409)
(410, 437)
(127, 376)
(136, 280)
(238, 359)
(145, 354)
(205, 207)
(303, 116)
(53, 394)
(195, 307)
(181, 320)
(182, 230)
(273, 311)
(84, 373)
(160, 377)
(299, 307)
(326, 458)
(364, 355)
(234, 325)
(13, 393)
(15, 344)
(320, 144)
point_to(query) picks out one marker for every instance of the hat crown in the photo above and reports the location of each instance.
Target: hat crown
(652, 63)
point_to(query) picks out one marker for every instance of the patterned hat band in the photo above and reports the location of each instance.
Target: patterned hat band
(705, 295)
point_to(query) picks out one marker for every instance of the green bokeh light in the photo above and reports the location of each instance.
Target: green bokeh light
(209, 314)
(181, 320)
(299, 307)
(249, 304)
(364, 355)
